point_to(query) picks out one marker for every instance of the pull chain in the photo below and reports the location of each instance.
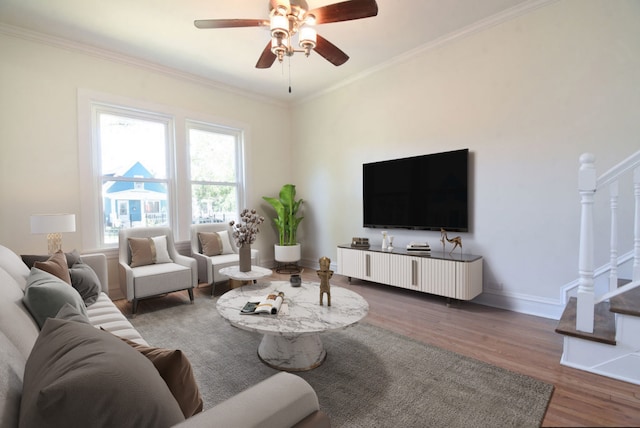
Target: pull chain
(289, 74)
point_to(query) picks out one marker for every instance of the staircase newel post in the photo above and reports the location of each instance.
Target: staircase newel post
(613, 245)
(587, 189)
(636, 228)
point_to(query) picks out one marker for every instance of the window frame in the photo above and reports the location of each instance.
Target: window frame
(178, 174)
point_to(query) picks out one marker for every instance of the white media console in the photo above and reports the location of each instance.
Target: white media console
(457, 276)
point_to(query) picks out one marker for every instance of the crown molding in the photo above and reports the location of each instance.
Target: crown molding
(101, 53)
(484, 24)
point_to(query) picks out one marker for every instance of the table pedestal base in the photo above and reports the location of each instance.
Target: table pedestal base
(296, 353)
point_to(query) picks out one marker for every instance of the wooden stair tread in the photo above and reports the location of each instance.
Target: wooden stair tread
(627, 303)
(604, 330)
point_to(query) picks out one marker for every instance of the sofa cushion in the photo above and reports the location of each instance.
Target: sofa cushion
(211, 243)
(174, 367)
(73, 257)
(11, 376)
(56, 265)
(105, 314)
(10, 262)
(15, 321)
(46, 295)
(86, 282)
(147, 251)
(78, 375)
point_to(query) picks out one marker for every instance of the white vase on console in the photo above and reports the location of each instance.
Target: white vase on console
(385, 243)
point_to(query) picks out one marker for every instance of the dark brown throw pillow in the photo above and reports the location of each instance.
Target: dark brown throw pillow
(56, 265)
(174, 367)
(211, 243)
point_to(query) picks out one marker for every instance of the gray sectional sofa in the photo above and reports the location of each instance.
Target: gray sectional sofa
(107, 396)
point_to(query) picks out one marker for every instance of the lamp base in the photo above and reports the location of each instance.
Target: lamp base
(54, 242)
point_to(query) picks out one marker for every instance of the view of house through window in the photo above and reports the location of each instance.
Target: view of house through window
(133, 154)
(142, 169)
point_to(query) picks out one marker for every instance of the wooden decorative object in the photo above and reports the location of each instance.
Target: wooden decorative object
(457, 241)
(325, 275)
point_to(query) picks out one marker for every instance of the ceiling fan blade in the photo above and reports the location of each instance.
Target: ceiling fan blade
(229, 23)
(267, 58)
(345, 11)
(330, 52)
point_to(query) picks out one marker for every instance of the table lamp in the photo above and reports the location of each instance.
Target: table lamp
(53, 225)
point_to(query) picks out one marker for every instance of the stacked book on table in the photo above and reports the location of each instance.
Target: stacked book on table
(419, 248)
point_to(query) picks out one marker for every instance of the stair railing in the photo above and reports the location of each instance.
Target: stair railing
(588, 185)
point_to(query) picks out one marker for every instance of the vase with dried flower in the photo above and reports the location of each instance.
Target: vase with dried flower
(244, 233)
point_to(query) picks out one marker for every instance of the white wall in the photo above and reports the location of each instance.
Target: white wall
(527, 97)
(39, 162)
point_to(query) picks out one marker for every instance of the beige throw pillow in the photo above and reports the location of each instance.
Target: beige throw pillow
(211, 243)
(148, 251)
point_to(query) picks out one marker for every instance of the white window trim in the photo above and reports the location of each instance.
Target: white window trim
(88, 158)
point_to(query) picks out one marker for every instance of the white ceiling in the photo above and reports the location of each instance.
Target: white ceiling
(162, 32)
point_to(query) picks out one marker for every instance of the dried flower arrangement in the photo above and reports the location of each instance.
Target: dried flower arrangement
(246, 230)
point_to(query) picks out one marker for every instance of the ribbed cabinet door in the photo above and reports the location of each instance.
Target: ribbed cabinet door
(376, 267)
(439, 277)
(350, 262)
(406, 272)
(469, 280)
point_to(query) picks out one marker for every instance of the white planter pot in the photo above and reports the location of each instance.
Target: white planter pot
(287, 253)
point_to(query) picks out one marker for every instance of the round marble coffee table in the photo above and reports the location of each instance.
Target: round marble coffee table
(291, 339)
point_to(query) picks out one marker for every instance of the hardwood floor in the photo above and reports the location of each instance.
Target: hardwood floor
(517, 342)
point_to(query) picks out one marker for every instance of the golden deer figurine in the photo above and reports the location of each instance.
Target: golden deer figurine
(457, 241)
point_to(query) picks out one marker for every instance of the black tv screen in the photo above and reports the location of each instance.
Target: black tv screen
(426, 192)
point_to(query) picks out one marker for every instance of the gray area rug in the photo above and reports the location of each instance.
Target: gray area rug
(371, 377)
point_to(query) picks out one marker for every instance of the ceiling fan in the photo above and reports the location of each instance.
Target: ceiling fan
(290, 17)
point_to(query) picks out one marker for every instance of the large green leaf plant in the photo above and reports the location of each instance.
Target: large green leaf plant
(286, 209)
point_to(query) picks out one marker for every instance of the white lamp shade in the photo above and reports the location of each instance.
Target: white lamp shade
(279, 24)
(53, 223)
(308, 35)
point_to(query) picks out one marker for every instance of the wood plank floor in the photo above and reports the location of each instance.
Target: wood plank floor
(517, 342)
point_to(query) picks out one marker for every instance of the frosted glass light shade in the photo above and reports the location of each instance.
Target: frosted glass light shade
(53, 225)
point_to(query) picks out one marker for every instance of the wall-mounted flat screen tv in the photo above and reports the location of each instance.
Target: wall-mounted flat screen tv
(426, 192)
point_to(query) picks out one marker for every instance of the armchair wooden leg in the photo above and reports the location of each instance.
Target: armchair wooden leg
(135, 306)
(191, 294)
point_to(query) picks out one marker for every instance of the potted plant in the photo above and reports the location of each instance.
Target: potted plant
(286, 221)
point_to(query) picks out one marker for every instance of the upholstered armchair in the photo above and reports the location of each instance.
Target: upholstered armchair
(150, 265)
(212, 258)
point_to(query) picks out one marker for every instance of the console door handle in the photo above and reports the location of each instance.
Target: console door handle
(414, 273)
(368, 265)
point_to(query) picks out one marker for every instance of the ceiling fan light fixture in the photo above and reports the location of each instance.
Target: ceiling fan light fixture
(279, 26)
(308, 39)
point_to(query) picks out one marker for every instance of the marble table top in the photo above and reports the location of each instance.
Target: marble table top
(304, 313)
(256, 272)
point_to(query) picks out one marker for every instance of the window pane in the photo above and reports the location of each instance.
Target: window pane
(132, 204)
(213, 203)
(213, 156)
(126, 141)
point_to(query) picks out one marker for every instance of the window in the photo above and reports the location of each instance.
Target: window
(215, 172)
(133, 151)
(150, 166)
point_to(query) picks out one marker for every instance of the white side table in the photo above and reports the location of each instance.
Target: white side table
(243, 278)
